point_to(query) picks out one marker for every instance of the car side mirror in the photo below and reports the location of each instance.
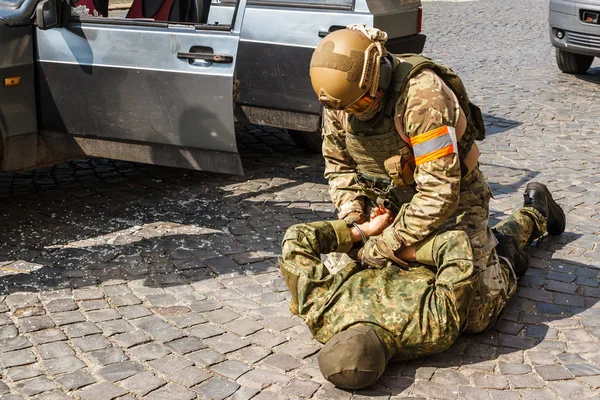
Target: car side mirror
(47, 14)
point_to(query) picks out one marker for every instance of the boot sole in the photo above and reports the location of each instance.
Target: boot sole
(558, 215)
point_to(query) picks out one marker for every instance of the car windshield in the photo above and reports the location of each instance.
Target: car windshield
(10, 3)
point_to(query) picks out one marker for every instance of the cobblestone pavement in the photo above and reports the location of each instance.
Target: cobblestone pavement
(127, 281)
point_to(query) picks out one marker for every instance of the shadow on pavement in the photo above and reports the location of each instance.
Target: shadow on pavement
(495, 124)
(87, 222)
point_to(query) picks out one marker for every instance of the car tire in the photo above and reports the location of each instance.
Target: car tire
(572, 63)
(310, 141)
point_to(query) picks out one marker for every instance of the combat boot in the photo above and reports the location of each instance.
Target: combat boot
(539, 197)
(508, 247)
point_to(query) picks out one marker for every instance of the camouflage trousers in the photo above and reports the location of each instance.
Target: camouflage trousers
(415, 311)
(498, 281)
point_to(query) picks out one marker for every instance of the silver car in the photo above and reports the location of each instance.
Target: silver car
(158, 81)
(575, 32)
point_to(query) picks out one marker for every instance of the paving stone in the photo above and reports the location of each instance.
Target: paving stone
(188, 320)
(244, 393)
(102, 391)
(572, 389)
(54, 395)
(68, 317)
(47, 336)
(301, 388)
(433, 390)
(171, 391)
(103, 315)
(35, 386)
(328, 391)
(514, 369)
(143, 383)
(543, 394)
(282, 362)
(125, 300)
(279, 323)
(81, 329)
(91, 343)
(135, 311)
(186, 345)
(76, 380)
(33, 324)
(525, 381)
(471, 393)
(450, 377)
(297, 349)
(60, 305)
(54, 350)
(206, 357)
(108, 356)
(206, 331)
(189, 376)
(119, 371)
(16, 343)
(226, 343)
(130, 339)
(149, 351)
(221, 316)
(583, 369)
(19, 373)
(542, 358)
(8, 332)
(87, 294)
(243, 326)
(488, 381)
(110, 328)
(260, 378)
(231, 369)
(216, 388)
(17, 358)
(205, 306)
(571, 358)
(18, 299)
(553, 372)
(254, 354)
(170, 364)
(63, 364)
(116, 290)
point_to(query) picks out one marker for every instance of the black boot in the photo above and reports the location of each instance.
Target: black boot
(538, 196)
(508, 247)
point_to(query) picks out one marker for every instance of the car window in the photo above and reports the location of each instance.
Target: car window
(346, 4)
(11, 3)
(177, 11)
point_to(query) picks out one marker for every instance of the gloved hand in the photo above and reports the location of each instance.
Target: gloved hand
(355, 216)
(371, 255)
(376, 254)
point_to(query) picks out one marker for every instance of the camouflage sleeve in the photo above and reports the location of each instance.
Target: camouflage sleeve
(428, 104)
(340, 168)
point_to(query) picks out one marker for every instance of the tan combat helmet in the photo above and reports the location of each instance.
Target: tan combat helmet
(346, 64)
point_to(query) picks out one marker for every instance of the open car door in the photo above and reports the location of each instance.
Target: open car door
(141, 89)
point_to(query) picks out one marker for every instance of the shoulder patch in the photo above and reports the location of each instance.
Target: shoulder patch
(434, 144)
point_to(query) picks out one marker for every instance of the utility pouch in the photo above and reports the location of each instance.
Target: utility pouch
(400, 168)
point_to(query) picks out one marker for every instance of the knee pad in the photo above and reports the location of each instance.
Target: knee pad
(354, 358)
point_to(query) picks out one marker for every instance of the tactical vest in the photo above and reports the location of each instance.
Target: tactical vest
(382, 157)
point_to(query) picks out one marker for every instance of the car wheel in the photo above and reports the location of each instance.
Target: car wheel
(310, 141)
(572, 63)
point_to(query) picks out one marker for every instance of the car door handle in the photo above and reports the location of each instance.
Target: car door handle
(217, 58)
(332, 28)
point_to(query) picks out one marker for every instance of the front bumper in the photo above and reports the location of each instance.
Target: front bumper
(579, 37)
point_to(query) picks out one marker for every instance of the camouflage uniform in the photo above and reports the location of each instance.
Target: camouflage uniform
(415, 311)
(445, 199)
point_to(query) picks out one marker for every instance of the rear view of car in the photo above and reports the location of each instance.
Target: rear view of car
(575, 32)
